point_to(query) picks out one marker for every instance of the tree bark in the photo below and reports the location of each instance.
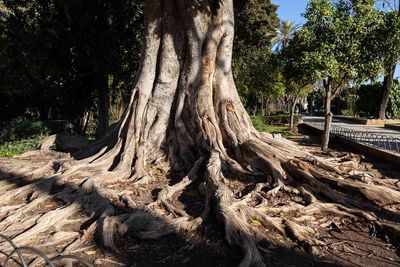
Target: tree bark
(102, 105)
(262, 106)
(328, 115)
(84, 122)
(292, 111)
(387, 86)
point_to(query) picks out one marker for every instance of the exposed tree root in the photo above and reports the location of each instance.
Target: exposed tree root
(185, 128)
(286, 211)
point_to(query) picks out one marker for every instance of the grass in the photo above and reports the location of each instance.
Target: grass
(22, 135)
(260, 125)
(18, 147)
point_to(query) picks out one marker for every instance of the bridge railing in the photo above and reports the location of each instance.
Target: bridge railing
(381, 141)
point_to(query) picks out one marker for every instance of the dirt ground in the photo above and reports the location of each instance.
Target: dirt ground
(347, 243)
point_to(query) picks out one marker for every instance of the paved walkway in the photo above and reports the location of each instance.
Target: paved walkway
(380, 137)
(355, 126)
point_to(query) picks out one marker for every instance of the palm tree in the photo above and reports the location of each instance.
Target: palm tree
(283, 33)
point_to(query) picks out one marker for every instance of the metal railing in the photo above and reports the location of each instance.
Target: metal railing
(19, 252)
(381, 141)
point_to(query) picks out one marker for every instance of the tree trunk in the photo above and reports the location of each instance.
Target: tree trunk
(387, 86)
(84, 122)
(44, 112)
(262, 107)
(186, 126)
(328, 116)
(267, 107)
(292, 111)
(102, 105)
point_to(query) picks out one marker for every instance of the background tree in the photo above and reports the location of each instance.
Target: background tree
(389, 39)
(366, 102)
(253, 71)
(340, 46)
(394, 100)
(61, 58)
(282, 34)
(297, 77)
(255, 75)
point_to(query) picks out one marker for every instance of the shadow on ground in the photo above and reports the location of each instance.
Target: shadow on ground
(205, 247)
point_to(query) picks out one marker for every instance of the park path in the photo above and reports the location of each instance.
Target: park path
(380, 137)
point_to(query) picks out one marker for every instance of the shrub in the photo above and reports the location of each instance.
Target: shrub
(21, 128)
(280, 119)
(394, 101)
(14, 148)
(369, 96)
(367, 103)
(259, 123)
(23, 134)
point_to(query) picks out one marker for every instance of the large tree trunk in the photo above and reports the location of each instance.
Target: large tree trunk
(387, 86)
(185, 116)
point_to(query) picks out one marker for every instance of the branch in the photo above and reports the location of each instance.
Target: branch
(339, 86)
(388, 3)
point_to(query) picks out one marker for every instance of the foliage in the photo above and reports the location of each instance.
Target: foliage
(272, 120)
(260, 124)
(368, 94)
(280, 120)
(367, 105)
(283, 34)
(21, 128)
(253, 70)
(297, 78)
(340, 41)
(254, 21)
(255, 76)
(394, 101)
(21, 136)
(18, 147)
(345, 103)
(55, 55)
(389, 33)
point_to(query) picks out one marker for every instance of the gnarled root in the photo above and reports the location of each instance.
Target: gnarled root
(185, 115)
(287, 211)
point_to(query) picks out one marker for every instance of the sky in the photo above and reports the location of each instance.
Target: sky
(292, 10)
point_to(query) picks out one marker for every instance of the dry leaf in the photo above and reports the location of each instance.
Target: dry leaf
(90, 252)
(256, 223)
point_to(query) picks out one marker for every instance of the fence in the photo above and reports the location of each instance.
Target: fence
(18, 252)
(381, 141)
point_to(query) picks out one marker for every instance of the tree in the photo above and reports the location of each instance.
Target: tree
(296, 91)
(298, 78)
(252, 66)
(185, 120)
(366, 101)
(60, 56)
(340, 45)
(255, 73)
(390, 47)
(105, 38)
(283, 33)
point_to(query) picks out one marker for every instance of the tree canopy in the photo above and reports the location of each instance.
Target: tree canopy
(56, 54)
